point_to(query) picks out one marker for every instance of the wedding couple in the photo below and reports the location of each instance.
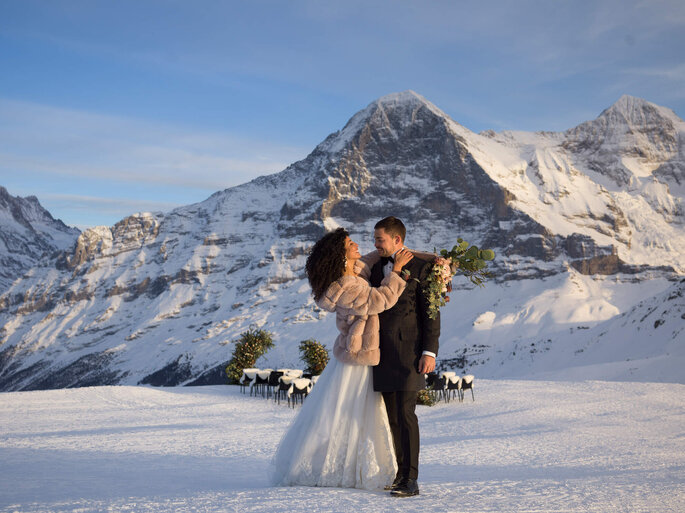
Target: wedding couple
(358, 427)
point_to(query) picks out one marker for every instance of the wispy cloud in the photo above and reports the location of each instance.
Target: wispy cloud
(99, 210)
(92, 169)
(504, 57)
(675, 72)
(661, 83)
(69, 143)
(109, 205)
(225, 42)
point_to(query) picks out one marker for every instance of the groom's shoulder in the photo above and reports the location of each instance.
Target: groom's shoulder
(420, 261)
(421, 267)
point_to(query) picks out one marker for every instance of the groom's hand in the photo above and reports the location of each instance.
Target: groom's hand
(426, 364)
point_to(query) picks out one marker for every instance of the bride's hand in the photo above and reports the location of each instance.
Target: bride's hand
(402, 258)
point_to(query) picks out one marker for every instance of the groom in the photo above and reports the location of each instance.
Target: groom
(408, 345)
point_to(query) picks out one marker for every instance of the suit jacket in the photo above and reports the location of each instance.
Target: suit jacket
(405, 332)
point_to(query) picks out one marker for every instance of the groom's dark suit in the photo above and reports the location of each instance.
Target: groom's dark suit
(405, 332)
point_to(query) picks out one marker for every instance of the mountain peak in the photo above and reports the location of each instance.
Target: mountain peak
(403, 97)
(637, 111)
(628, 102)
(391, 114)
(632, 139)
(407, 99)
(28, 232)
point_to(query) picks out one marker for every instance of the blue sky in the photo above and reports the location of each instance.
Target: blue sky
(113, 107)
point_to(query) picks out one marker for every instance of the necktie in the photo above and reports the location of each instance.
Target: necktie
(385, 260)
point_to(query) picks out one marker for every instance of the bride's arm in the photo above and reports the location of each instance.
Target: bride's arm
(363, 299)
(424, 255)
(365, 263)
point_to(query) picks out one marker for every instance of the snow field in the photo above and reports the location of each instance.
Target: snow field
(524, 446)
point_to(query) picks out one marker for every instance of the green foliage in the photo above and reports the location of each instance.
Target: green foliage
(426, 397)
(433, 292)
(314, 355)
(462, 258)
(486, 254)
(252, 344)
(469, 261)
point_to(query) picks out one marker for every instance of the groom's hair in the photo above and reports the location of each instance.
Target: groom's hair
(392, 227)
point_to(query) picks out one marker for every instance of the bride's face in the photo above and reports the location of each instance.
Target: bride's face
(352, 250)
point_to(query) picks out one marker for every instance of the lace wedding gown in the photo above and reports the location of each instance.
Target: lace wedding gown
(340, 437)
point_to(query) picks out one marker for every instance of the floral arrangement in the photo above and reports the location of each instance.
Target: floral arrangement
(468, 260)
(253, 343)
(315, 355)
(426, 397)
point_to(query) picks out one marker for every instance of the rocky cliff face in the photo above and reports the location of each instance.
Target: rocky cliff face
(28, 233)
(158, 298)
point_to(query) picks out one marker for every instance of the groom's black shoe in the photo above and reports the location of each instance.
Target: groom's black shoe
(407, 488)
(395, 483)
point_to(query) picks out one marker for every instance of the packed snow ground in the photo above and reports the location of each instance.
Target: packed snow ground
(524, 446)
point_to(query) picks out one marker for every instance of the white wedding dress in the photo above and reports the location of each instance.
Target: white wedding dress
(340, 437)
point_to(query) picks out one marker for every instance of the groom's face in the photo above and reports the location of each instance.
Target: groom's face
(385, 243)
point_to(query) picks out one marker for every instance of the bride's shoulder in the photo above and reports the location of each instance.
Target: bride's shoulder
(339, 290)
(350, 282)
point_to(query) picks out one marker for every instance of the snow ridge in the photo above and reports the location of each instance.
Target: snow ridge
(28, 233)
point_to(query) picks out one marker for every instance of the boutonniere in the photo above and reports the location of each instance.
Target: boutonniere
(406, 274)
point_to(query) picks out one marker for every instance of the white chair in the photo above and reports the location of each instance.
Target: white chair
(261, 381)
(250, 373)
(247, 378)
(273, 382)
(453, 387)
(467, 383)
(440, 388)
(299, 388)
(285, 383)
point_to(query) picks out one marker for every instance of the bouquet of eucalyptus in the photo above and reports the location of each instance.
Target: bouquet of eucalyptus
(468, 260)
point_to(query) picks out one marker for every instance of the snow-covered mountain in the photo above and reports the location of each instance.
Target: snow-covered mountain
(27, 233)
(619, 179)
(585, 223)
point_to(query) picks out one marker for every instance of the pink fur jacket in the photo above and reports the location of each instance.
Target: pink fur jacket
(356, 305)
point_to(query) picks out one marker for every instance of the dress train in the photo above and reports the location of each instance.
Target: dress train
(341, 436)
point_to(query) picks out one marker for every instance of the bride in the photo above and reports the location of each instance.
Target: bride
(341, 436)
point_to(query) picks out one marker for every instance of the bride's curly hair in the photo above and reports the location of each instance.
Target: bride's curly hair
(325, 263)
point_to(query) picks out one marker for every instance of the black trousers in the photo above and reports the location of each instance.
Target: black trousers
(404, 426)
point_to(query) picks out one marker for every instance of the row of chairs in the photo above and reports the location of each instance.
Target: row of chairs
(295, 385)
(291, 384)
(448, 385)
